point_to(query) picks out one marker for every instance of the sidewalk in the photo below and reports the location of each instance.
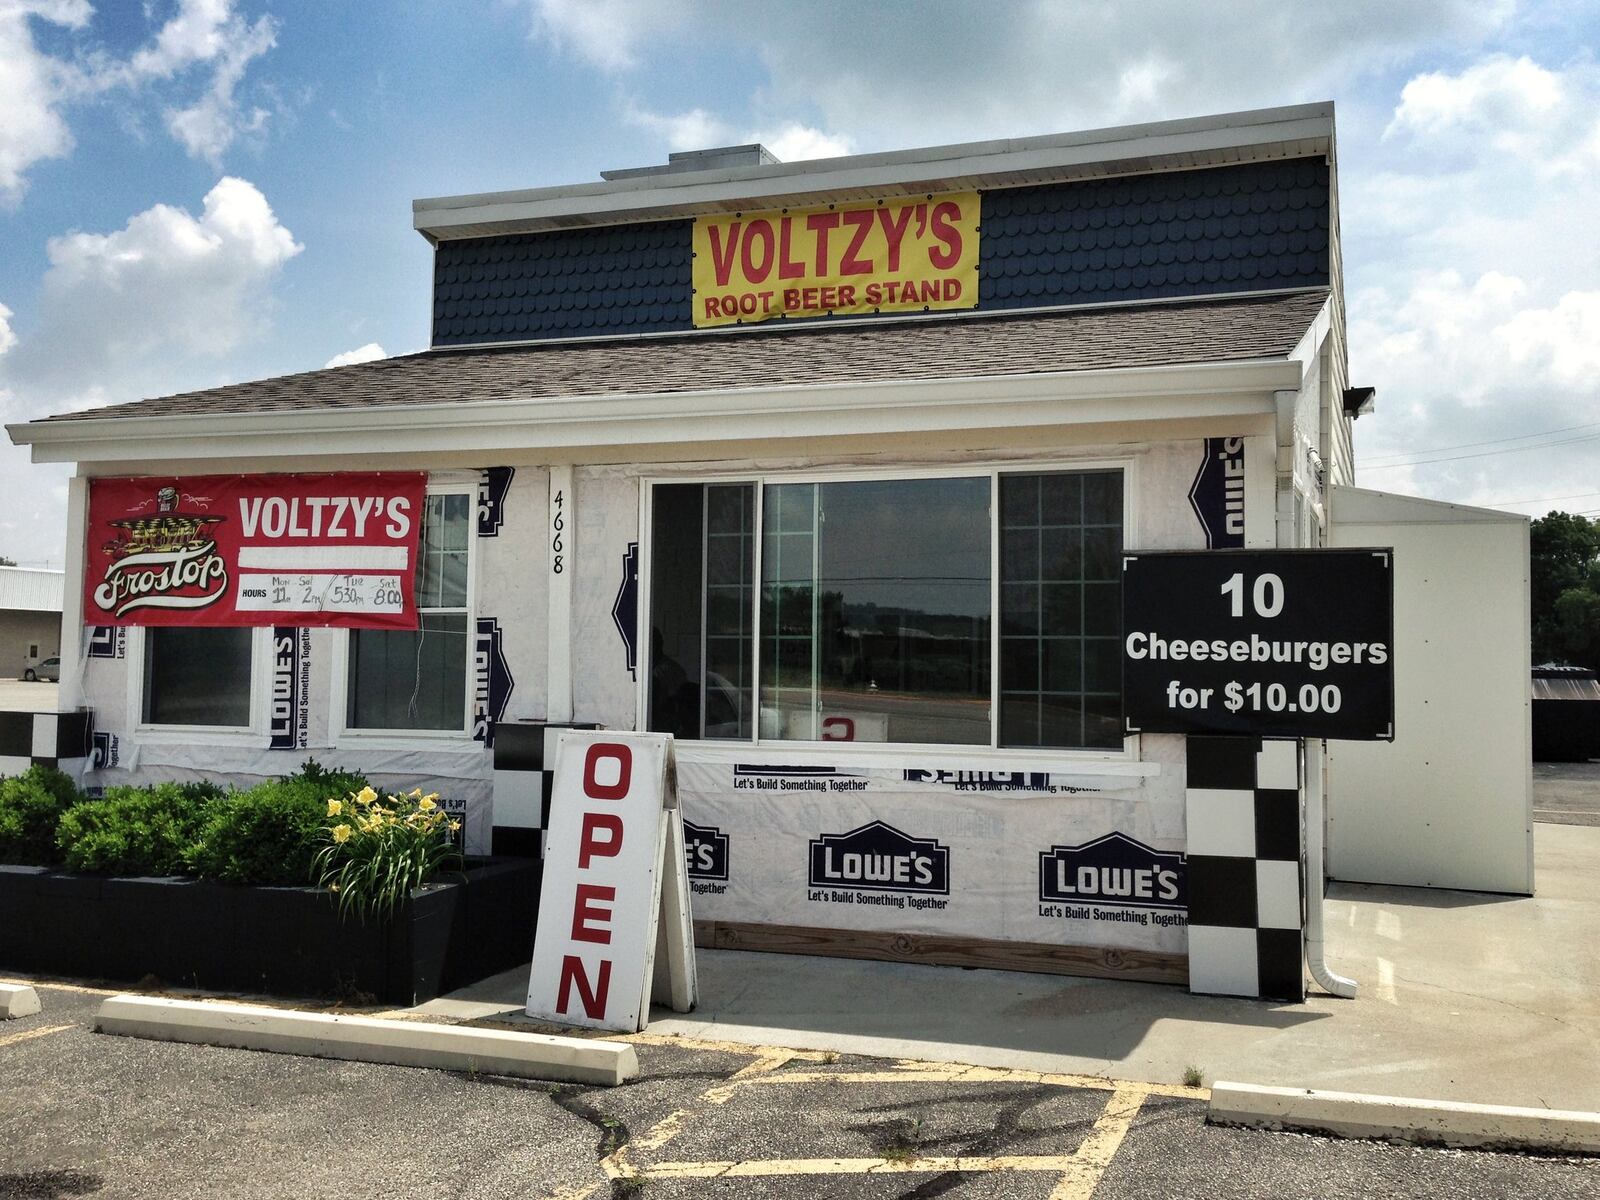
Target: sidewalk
(1466, 997)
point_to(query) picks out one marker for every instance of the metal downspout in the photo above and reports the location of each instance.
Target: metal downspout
(1317, 884)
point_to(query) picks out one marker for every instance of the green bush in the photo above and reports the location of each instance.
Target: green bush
(136, 830)
(271, 833)
(31, 805)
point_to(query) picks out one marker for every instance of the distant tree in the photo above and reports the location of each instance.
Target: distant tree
(1564, 586)
(7, 562)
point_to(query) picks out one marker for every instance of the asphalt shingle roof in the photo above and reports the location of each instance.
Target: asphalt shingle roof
(1137, 335)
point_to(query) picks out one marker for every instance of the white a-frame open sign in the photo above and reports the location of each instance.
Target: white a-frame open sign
(614, 923)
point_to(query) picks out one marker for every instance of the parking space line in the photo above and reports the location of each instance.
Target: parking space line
(1079, 1180)
(616, 1164)
(747, 1049)
(1080, 1171)
(757, 1167)
(928, 1073)
(12, 1039)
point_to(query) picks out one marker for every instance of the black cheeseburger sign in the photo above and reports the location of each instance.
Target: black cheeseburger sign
(1283, 643)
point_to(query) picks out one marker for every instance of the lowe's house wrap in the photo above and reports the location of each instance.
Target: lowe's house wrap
(250, 550)
(904, 255)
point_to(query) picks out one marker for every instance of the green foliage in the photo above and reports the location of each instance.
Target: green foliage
(31, 805)
(271, 833)
(136, 830)
(378, 848)
(1564, 589)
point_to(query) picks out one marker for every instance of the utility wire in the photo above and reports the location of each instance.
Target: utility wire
(1521, 437)
(1543, 499)
(1480, 454)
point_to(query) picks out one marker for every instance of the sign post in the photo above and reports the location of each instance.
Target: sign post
(615, 926)
(1248, 652)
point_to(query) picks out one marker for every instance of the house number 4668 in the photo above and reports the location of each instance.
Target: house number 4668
(557, 524)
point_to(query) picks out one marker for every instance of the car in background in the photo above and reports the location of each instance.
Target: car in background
(49, 669)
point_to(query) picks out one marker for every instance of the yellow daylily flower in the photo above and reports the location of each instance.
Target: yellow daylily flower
(341, 834)
(455, 826)
(366, 795)
(426, 803)
(335, 808)
(414, 793)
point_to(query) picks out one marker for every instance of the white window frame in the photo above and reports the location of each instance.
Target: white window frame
(888, 752)
(342, 735)
(254, 734)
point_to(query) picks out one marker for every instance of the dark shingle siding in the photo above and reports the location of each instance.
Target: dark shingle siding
(1251, 227)
(576, 283)
(1136, 335)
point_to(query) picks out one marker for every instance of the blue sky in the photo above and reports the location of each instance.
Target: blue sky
(199, 191)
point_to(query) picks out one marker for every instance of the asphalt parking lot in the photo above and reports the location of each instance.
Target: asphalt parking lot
(18, 695)
(85, 1114)
(1566, 793)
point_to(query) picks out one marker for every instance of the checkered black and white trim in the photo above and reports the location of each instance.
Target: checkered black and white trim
(49, 739)
(524, 768)
(1246, 896)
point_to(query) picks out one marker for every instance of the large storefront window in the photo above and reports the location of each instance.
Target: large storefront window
(197, 677)
(873, 621)
(417, 679)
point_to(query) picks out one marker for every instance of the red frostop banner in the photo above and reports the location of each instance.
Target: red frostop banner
(254, 550)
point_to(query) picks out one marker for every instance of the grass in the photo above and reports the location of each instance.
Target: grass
(902, 1143)
(1192, 1077)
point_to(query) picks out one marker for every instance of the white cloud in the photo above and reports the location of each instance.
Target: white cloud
(607, 33)
(8, 339)
(794, 142)
(130, 309)
(1473, 306)
(698, 129)
(371, 352)
(693, 130)
(204, 31)
(33, 87)
(1493, 96)
(38, 88)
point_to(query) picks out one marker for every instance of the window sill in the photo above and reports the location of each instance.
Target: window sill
(435, 741)
(200, 735)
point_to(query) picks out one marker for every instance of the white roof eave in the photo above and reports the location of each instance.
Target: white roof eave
(908, 406)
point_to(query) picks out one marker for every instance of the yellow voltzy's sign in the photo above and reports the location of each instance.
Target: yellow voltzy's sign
(902, 255)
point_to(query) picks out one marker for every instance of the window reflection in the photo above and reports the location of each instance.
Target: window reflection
(875, 611)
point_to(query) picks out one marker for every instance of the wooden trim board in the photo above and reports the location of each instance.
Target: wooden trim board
(1096, 962)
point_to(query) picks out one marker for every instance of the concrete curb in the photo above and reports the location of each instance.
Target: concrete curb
(368, 1039)
(1390, 1118)
(17, 1000)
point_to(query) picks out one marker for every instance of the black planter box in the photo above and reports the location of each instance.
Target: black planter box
(279, 941)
